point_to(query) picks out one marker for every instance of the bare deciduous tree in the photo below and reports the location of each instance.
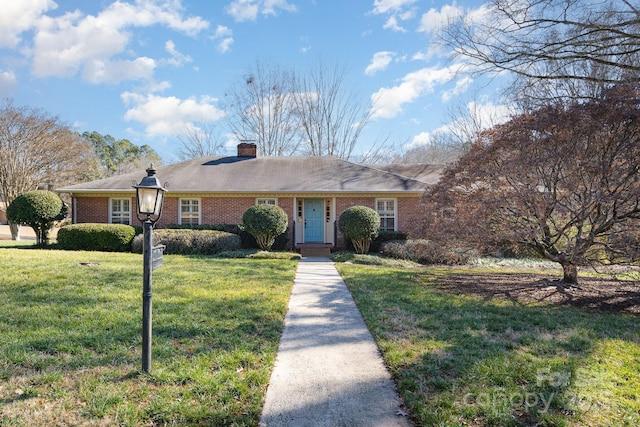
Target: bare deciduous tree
(287, 113)
(561, 181)
(260, 108)
(552, 39)
(453, 140)
(38, 150)
(199, 140)
(331, 117)
(439, 150)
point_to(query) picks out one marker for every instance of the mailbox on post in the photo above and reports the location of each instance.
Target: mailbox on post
(156, 256)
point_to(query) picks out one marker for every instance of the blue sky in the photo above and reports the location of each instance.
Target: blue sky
(145, 69)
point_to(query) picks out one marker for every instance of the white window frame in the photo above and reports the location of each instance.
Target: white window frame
(386, 213)
(199, 212)
(267, 201)
(119, 213)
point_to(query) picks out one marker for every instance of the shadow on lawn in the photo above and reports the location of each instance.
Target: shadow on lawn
(75, 328)
(468, 348)
(601, 294)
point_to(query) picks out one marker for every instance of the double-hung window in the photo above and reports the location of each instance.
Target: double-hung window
(386, 208)
(273, 202)
(120, 211)
(189, 211)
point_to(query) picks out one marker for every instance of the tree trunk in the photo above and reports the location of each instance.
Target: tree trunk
(570, 273)
(15, 231)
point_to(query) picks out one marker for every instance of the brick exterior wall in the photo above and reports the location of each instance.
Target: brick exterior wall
(408, 211)
(229, 210)
(91, 209)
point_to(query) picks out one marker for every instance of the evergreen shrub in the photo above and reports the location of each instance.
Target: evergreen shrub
(360, 225)
(96, 237)
(190, 242)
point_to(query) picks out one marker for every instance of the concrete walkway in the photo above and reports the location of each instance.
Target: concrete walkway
(328, 370)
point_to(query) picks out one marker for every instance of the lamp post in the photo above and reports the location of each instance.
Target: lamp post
(149, 197)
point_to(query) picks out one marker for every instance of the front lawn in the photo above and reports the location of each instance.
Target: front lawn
(469, 351)
(70, 338)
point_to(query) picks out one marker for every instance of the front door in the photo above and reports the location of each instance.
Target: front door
(313, 220)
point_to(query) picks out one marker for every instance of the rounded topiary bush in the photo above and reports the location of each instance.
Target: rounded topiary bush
(38, 209)
(190, 242)
(359, 224)
(96, 237)
(265, 223)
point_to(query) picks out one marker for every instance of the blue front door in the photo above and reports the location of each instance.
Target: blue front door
(313, 220)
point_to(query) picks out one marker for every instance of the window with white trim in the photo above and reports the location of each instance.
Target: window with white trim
(386, 208)
(273, 202)
(189, 211)
(120, 211)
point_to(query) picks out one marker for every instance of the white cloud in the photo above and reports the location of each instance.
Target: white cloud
(177, 58)
(224, 38)
(398, 10)
(379, 62)
(386, 6)
(168, 116)
(20, 16)
(488, 114)
(270, 7)
(392, 24)
(423, 138)
(116, 71)
(65, 45)
(433, 21)
(388, 102)
(248, 10)
(461, 86)
(8, 83)
(243, 10)
(476, 116)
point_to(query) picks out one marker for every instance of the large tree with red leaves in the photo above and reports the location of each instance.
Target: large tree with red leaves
(561, 181)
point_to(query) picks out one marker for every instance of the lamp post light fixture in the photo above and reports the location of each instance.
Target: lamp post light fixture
(149, 197)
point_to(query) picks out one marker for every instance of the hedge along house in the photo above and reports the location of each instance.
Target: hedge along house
(313, 191)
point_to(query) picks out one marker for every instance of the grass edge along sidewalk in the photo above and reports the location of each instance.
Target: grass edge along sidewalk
(70, 338)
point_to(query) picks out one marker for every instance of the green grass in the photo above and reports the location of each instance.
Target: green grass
(70, 338)
(17, 244)
(462, 360)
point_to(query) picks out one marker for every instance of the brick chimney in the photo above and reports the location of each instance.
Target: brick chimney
(247, 149)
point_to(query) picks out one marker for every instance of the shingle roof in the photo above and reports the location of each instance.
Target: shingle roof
(266, 174)
(429, 174)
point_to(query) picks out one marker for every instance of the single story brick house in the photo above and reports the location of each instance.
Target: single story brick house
(313, 191)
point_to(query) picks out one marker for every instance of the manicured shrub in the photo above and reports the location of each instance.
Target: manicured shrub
(279, 244)
(359, 224)
(191, 242)
(229, 228)
(265, 223)
(248, 241)
(39, 209)
(425, 252)
(96, 237)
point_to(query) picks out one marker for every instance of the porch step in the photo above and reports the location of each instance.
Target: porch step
(315, 251)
